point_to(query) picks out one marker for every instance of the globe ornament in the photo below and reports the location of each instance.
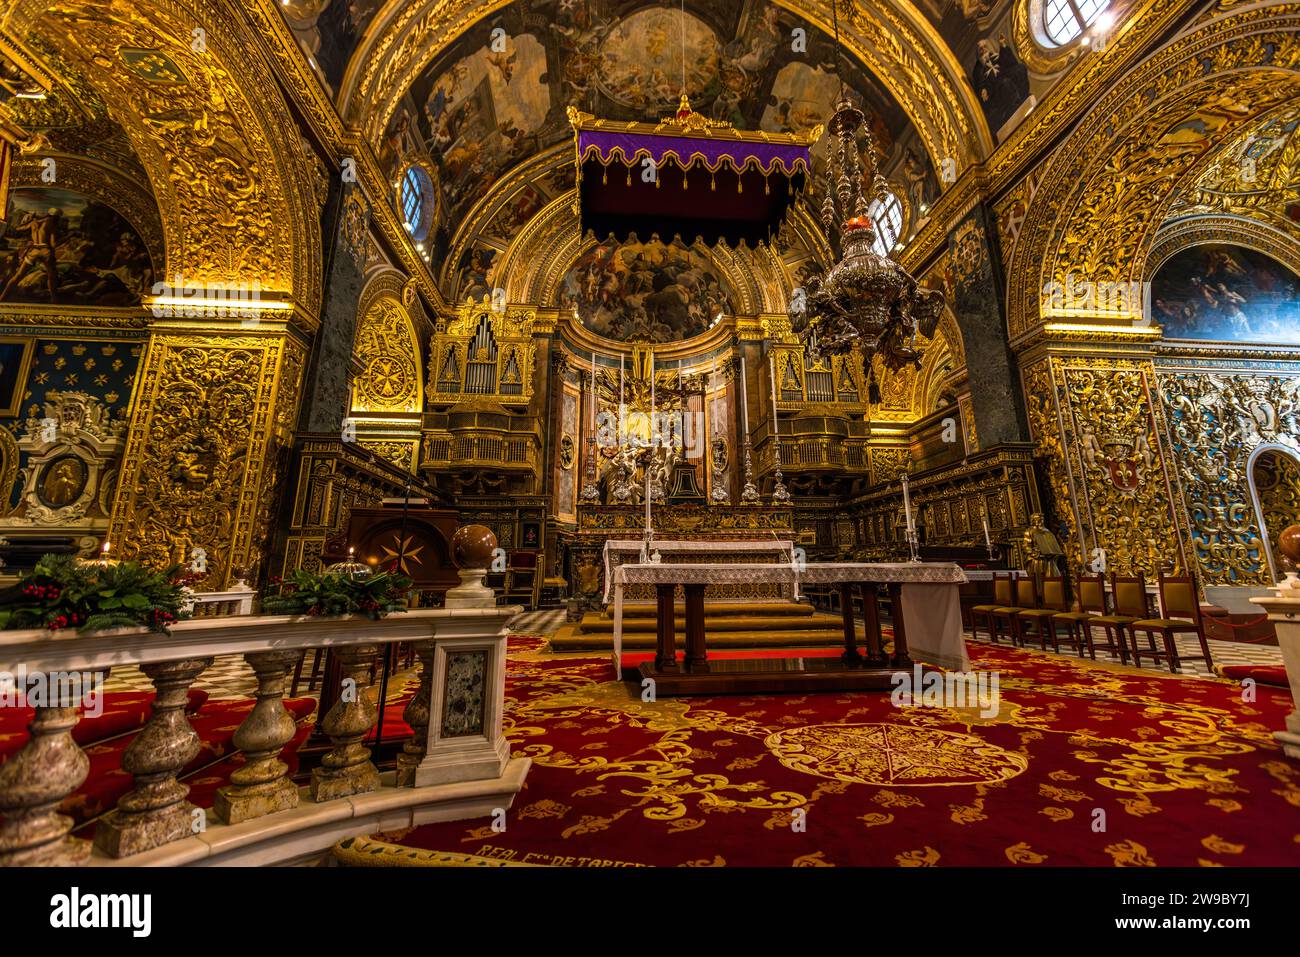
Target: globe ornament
(1288, 543)
(473, 546)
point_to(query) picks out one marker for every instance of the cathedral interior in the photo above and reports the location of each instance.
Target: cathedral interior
(541, 303)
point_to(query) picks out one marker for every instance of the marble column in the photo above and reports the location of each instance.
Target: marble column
(155, 812)
(346, 768)
(997, 403)
(33, 783)
(416, 714)
(262, 785)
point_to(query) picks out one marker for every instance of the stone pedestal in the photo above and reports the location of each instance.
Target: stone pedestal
(471, 592)
(465, 741)
(32, 785)
(346, 768)
(155, 812)
(262, 785)
(1284, 612)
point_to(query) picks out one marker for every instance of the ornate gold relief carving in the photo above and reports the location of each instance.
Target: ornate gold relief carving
(390, 358)
(1217, 421)
(1106, 191)
(71, 450)
(233, 181)
(210, 415)
(1094, 424)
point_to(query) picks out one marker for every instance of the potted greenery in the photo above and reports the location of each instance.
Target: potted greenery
(65, 592)
(333, 593)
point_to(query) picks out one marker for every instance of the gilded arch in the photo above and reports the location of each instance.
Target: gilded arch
(1108, 188)
(387, 351)
(238, 193)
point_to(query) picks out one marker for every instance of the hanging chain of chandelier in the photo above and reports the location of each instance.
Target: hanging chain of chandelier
(866, 302)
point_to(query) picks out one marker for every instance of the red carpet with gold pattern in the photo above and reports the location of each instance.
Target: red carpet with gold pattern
(1083, 764)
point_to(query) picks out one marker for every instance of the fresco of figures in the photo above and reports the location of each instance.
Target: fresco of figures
(1226, 293)
(645, 291)
(493, 100)
(62, 247)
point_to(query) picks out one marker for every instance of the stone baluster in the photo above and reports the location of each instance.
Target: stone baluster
(155, 812)
(32, 785)
(346, 768)
(262, 785)
(416, 714)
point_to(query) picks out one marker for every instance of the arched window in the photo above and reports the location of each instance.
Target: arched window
(887, 214)
(412, 199)
(1063, 20)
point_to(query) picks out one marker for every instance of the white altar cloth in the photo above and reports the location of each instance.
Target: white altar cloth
(620, 551)
(930, 599)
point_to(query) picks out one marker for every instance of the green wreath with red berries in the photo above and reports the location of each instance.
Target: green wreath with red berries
(64, 592)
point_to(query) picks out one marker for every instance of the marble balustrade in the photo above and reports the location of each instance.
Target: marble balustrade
(462, 655)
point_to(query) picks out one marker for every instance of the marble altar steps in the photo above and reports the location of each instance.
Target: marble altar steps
(748, 624)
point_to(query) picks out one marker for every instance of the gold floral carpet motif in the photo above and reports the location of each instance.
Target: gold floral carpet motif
(1082, 764)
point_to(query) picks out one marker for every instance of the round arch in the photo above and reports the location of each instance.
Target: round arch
(1285, 452)
(892, 39)
(238, 193)
(1109, 186)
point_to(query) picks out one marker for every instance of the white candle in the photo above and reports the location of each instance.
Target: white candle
(987, 541)
(744, 399)
(622, 361)
(593, 392)
(907, 505)
(650, 362)
(771, 368)
(649, 463)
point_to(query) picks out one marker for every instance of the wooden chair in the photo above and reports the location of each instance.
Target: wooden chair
(1043, 618)
(1023, 596)
(522, 580)
(1129, 596)
(1002, 595)
(317, 669)
(1182, 614)
(1078, 623)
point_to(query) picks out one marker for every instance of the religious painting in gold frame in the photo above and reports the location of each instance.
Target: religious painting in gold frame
(16, 354)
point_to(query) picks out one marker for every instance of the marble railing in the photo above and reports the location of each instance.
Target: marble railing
(457, 764)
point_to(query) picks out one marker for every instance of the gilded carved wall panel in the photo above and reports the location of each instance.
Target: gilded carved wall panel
(1097, 424)
(210, 418)
(1218, 419)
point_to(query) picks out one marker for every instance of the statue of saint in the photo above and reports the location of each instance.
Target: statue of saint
(1042, 550)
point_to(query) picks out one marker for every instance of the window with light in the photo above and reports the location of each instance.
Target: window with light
(887, 214)
(1063, 20)
(412, 199)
